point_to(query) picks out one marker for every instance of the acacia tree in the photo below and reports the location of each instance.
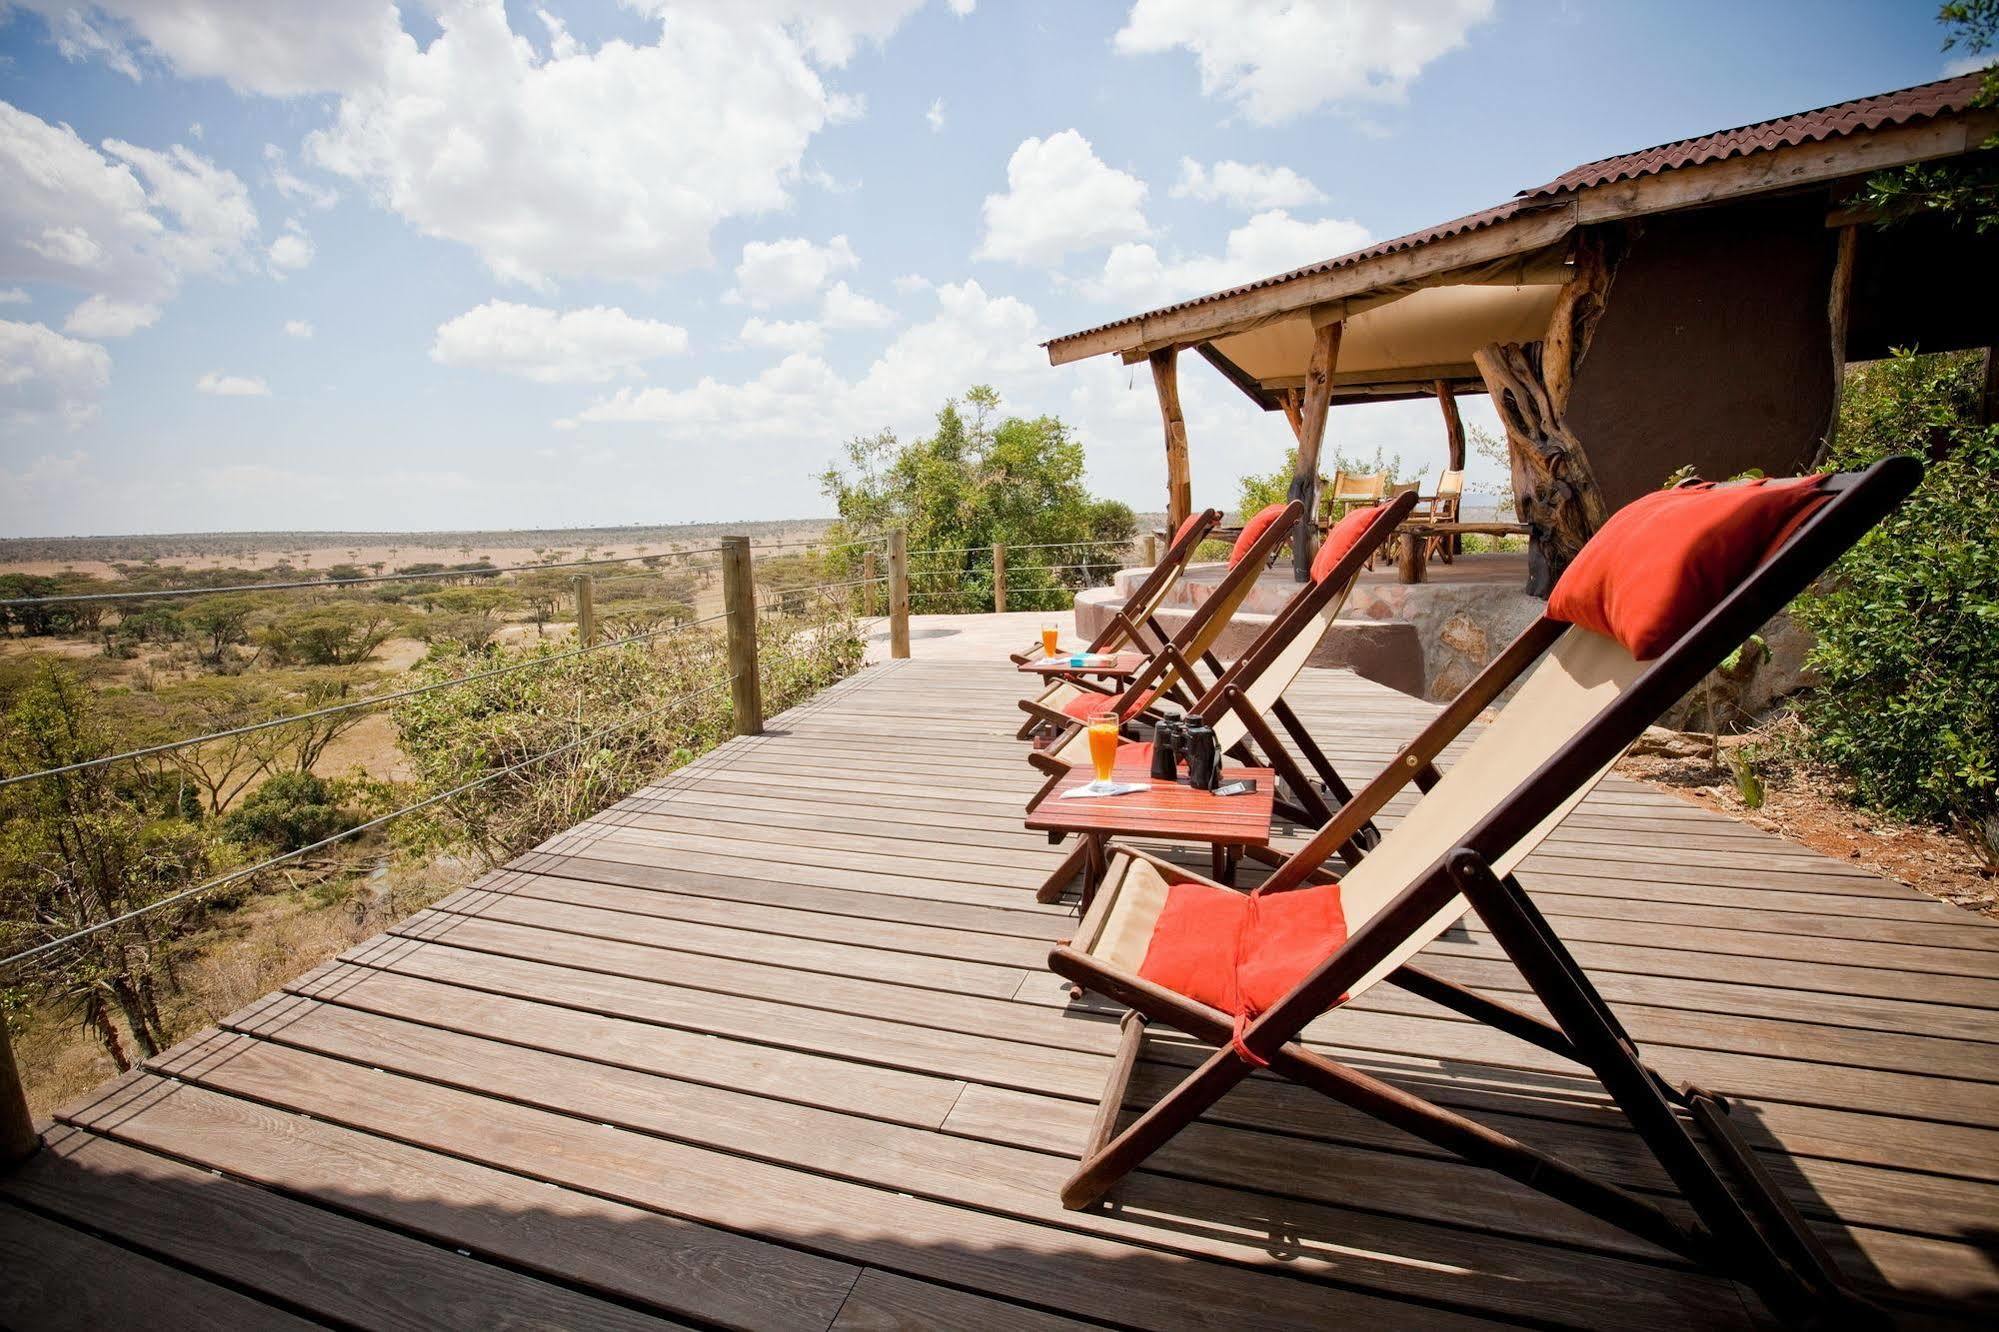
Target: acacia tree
(980, 478)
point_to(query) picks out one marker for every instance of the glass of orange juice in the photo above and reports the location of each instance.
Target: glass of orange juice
(1048, 639)
(1103, 728)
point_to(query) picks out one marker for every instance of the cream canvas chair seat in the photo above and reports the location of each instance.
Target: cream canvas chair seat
(1180, 949)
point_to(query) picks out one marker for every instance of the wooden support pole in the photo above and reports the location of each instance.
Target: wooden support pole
(739, 601)
(586, 609)
(1318, 401)
(18, 1139)
(1179, 481)
(999, 577)
(1454, 427)
(868, 576)
(1838, 306)
(1151, 551)
(898, 594)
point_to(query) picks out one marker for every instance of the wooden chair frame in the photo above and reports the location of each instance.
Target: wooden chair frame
(1171, 666)
(1750, 1231)
(1261, 746)
(1137, 617)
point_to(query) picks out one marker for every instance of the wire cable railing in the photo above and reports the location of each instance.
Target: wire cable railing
(470, 571)
(371, 701)
(238, 875)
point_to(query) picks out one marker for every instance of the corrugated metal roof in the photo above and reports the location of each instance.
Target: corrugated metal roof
(1903, 106)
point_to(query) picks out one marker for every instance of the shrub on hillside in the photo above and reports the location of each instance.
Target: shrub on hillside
(1907, 627)
(290, 810)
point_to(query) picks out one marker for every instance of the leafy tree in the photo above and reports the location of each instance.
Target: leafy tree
(220, 623)
(980, 478)
(81, 849)
(337, 633)
(1907, 626)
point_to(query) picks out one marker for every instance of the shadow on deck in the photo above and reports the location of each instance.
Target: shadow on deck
(770, 1044)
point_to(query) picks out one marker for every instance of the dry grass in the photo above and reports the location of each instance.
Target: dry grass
(242, 955)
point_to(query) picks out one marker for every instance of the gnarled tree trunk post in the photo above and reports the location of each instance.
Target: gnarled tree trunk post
(1317, 402)
(1554, 488)
(1179, 481)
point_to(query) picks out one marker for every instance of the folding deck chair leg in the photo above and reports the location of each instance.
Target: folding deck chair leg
(1768, 1263)
(1059, 878)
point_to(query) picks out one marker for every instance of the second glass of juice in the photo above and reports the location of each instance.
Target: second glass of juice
(1048, 639)
(1103, 728)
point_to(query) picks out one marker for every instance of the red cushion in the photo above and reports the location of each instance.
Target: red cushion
(1343, 537)
(1085, 706)
(1664, 561)
(1240, 952)
(1187, 526)
(1252, 532)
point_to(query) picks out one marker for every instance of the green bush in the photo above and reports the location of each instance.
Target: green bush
(1907, 626)
(290, 810)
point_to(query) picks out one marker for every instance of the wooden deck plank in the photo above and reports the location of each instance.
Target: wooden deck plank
(770, 1043)
(279, 1247)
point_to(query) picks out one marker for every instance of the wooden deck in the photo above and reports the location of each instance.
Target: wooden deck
(770, 1044)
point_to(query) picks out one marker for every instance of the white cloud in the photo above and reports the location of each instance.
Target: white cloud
(49, 483)
(911, 282)
(292, 186)
(1249, 185)
(613, 163)
(781, 334)
(1965, 64)
(555, 347)
(1060, 197)
(232, 386)
(1269, 243)
(784, 272)
(935, 115)
(844, 307)
(279, 48)
(830, 30)
(972, 337)
(48, 379)
(292, 250)
(126, 222)
(1279, 59)
(102, 317)
(14, 296)
(963, 7)
(297, 328)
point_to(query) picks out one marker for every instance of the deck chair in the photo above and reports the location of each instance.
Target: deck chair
(1248, 698)
(1171, 671)
(1134, 624)
(1245, 973)
(1442, 506)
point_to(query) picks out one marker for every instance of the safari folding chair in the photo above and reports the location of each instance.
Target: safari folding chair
(1248, 697)
(1443, 506)
(1170, 671)
(1134, 624)
(1671, 585)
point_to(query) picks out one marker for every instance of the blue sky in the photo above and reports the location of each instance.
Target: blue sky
(340, 264)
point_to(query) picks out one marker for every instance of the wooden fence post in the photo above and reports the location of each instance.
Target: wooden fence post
(1151, 551)
(586, 609)
(898, 594)
(739, 601)
(868, 577)
(999, 577)
(18, 1139)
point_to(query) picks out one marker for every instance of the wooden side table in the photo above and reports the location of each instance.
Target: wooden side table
(1170, 810)
(1121, 666)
